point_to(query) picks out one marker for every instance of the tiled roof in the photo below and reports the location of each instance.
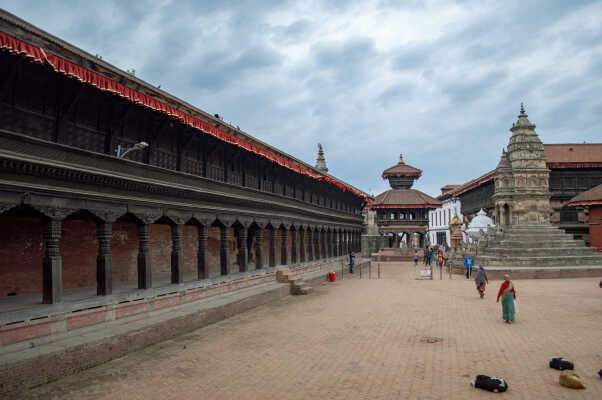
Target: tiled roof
(567, 155)
(449, 187)
(404, 197)
(402, 169)
(573, 153)
(589, 197)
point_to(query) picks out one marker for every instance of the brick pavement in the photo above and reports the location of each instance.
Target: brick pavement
(367, 340)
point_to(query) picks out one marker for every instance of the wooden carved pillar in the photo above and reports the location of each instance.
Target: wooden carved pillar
(203, 253)
(284, 246)
(177, 253)
(320, 244)
(104, 259)
(259, 248)
(302, 245)
(224, 249)
(293, 246)
(144, 256)
(310, 244)
(272, 251)
(328, 244)
(53, 267)
(243, 252)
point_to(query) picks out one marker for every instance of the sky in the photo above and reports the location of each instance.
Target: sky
(439, 81)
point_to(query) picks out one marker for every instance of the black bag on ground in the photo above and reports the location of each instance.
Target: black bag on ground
(490, 383)
(560, 364)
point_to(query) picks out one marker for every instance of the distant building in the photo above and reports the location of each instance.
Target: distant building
(402, 212)
(439, 218)
(591, 200)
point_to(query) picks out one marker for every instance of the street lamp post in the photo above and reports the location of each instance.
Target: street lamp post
(121, 153)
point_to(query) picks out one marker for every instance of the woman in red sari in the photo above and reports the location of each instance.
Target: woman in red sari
(508, 295)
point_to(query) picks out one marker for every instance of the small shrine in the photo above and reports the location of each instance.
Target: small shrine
(479, 225)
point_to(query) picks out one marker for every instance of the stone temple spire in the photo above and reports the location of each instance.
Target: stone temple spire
(321, 161)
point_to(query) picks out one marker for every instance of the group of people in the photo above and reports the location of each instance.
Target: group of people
(431, 254)
(507, 293)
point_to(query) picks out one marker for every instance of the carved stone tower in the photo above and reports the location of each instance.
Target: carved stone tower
(522, 194)
(321, 161)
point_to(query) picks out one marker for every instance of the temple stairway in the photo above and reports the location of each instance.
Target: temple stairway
(537, 246)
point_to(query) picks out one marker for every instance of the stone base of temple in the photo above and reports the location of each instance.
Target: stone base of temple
(536, 246)
(372, 244)
(390, 254)
(497, 273)
(43, 348)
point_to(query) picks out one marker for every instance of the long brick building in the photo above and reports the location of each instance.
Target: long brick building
(197, 203)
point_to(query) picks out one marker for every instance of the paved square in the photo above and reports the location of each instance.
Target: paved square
(370, 339)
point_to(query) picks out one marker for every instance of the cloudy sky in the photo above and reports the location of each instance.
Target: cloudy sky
(439, 81)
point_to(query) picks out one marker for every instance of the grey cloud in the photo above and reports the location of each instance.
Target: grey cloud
(411, 57)
(396, 93)
(468, 89)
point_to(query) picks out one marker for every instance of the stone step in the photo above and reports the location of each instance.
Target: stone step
(531, 227)
(538, 235)
(540, 261)
(285, 275)
(538, 244)
(539, 251)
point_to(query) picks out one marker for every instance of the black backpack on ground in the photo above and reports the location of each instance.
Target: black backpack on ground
(490, 383)
(560, 364)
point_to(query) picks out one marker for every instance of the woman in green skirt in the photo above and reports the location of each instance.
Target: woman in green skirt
(508, 295)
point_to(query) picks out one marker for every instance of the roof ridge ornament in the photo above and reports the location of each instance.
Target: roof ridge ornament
(321, 161)
(522, 109)
(401, 158)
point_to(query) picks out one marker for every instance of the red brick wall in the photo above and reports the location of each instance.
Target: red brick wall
(22, 251)
(595, 227)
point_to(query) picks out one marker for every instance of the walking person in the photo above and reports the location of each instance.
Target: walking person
(481, 281)
(415, 258)
(351, 262)
(508, 295)
(440, 259)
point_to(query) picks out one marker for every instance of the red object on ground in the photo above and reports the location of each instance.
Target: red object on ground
(332, 276)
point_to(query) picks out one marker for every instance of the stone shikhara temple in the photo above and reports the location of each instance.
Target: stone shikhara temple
(524, 242)
(199, 203)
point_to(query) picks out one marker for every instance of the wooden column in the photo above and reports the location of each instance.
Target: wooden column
(203, 253)
(144, 256)
(293, 246)
(104, 259)
(272, 251)
(283, 246)
(177, 253)
(310, 244)
(224, 249)
(53, 265)
(302, 245)
(243, 252)
(259, 247)
(317, 244)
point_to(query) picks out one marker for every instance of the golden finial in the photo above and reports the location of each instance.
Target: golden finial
(400, 158)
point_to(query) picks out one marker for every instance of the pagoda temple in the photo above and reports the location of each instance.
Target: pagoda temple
(402, 212)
